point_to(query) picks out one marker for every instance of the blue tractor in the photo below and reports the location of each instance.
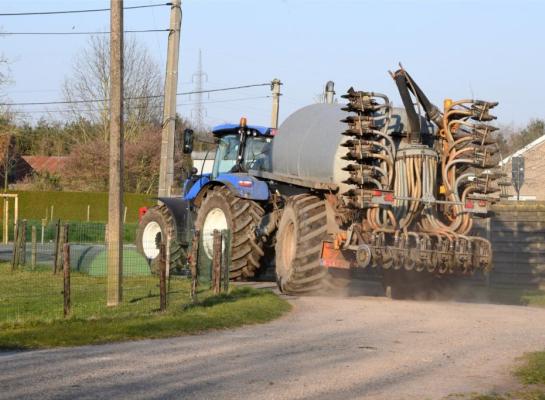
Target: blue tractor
(344, 187)
(227, 198)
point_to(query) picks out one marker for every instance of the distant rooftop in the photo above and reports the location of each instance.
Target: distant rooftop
(51, 164)
(526, 148)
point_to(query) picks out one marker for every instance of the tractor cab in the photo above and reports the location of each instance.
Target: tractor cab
(242, 148)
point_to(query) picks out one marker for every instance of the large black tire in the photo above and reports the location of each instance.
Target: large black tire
(301, 231)
(155, 224)
(241, 217)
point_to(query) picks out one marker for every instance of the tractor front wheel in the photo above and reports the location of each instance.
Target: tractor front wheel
(154, 227)
(221, 210)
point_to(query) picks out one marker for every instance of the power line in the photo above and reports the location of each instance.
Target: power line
(139, 107)
(19, 14)
(81, 33)
(37, 103)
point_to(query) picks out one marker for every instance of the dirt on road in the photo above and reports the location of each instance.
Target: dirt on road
(327, 348)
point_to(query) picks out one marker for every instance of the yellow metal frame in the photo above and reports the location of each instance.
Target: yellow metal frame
(5, 227)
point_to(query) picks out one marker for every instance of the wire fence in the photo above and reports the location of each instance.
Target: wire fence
(79, 232)
(35, 264)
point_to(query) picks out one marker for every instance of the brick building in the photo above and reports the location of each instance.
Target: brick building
(534, 176)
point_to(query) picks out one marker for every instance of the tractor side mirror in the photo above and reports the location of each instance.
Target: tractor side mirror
(188, 141)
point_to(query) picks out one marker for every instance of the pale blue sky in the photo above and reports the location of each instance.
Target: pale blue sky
(494, 50)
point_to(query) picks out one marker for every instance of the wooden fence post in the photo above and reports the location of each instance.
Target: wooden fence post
(22, 244)
(216, 262)
(162, 277)
(194, 265)
(57, 246)
(66, 269)
(15, 255)
(65, 232)
(34, 248)
(64, 239)
(226, 259)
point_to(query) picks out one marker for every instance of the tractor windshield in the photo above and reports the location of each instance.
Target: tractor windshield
(226, 154)
(257, 153)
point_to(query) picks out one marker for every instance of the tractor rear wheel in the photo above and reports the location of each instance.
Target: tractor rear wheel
(301, 230)
(156, 223)
(221, 210)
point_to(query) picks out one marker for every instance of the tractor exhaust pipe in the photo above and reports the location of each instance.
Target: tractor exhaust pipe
(329, 93)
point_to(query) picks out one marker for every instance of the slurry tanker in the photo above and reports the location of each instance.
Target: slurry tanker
(343, 186)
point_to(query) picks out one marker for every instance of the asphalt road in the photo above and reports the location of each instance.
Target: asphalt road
(327, 348)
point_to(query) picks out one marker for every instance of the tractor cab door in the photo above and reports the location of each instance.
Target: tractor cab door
(226, 155)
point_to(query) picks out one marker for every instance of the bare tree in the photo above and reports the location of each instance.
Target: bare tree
(90, 80)
(9, 152)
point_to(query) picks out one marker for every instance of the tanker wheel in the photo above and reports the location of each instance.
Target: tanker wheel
(221, 210)
(301, 230)
(153, 227)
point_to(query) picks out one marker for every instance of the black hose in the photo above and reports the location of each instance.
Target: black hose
(431, 110)
(414, 118)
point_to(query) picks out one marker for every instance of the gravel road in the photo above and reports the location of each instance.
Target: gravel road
(327, 348)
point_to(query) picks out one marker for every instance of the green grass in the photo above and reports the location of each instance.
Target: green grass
(523, 297)
(533, 370)
(531, 374)
(72, 206)
(31, 310)
(518, 395)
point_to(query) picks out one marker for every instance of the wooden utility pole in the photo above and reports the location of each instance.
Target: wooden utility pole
(275, 87)
(166, 169)
(115, 197)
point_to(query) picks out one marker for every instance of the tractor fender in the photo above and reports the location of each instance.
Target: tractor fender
(251, 188)
(180, 210)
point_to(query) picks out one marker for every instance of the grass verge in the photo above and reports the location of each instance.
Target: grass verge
(531, 374)
(523, 297)
(31, 313)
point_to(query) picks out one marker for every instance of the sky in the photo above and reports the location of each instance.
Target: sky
(492, 50)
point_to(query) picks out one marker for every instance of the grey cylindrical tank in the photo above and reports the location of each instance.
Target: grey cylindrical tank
(308, 143)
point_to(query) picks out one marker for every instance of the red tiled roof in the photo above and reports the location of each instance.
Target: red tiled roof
(51, 164)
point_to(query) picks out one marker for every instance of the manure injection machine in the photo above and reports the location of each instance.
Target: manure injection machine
(349, 186)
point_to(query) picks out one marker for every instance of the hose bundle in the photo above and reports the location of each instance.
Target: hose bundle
(413, 200)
